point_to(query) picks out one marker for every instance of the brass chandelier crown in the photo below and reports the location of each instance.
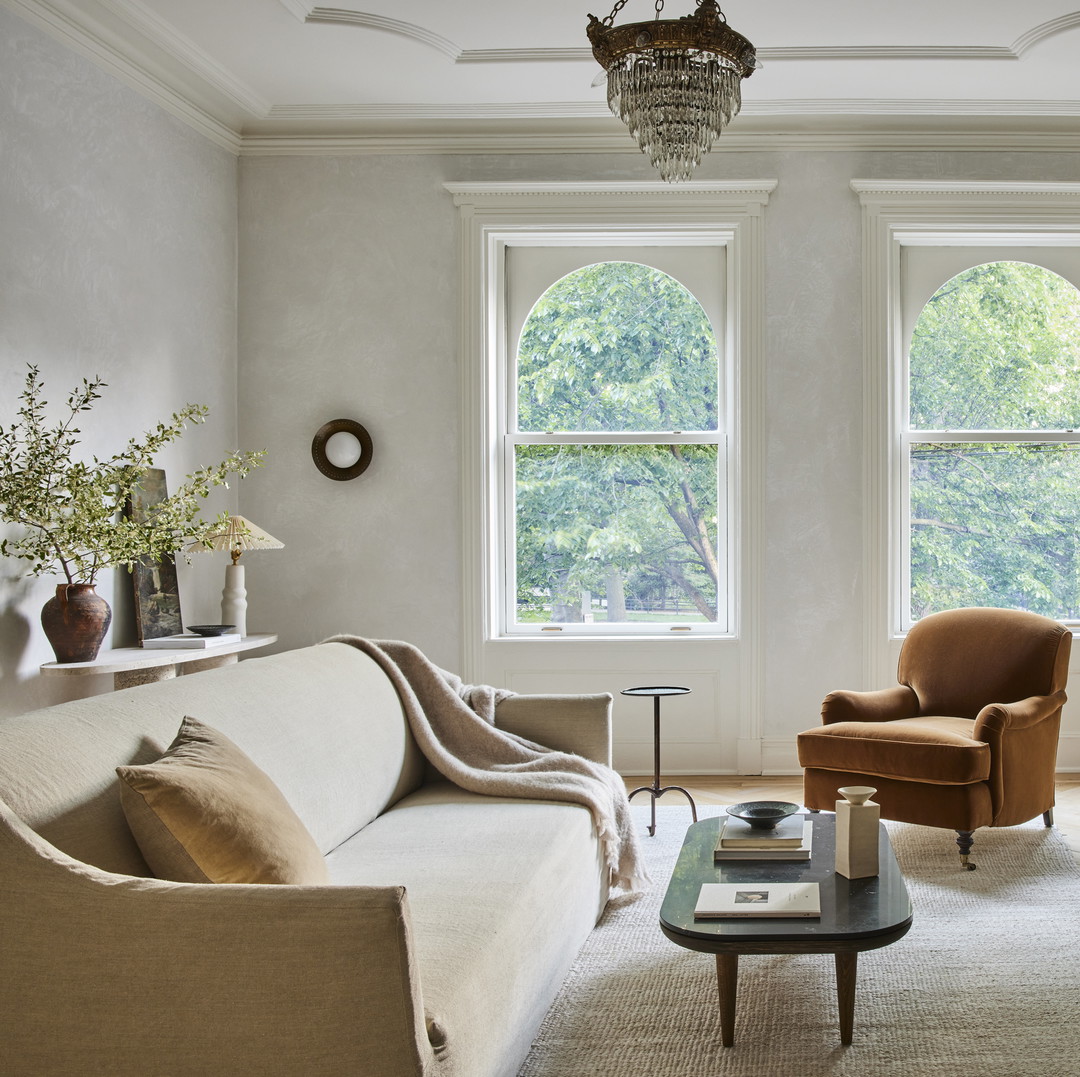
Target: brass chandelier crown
(675, 83)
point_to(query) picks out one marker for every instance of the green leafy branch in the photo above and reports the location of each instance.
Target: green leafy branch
(75, 513)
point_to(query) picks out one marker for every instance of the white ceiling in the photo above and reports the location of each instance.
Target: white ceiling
(286, 73)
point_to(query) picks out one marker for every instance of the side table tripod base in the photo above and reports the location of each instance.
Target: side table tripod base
(654, 790)
(654, 793)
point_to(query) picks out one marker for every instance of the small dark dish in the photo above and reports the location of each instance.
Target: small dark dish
(763, 814)
(210, 630)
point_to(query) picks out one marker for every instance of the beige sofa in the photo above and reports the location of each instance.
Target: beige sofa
(450, 924)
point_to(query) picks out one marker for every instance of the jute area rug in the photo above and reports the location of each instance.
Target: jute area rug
(985, 984)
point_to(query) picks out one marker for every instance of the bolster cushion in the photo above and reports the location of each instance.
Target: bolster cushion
(938, 750)
(204, 812)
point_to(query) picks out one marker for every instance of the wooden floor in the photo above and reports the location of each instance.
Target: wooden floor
(731, 790)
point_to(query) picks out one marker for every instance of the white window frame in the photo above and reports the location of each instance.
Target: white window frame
(494, 216)
(897, 214)
(510, 438)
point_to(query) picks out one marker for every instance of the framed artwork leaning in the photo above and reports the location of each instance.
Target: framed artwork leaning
(157, 594)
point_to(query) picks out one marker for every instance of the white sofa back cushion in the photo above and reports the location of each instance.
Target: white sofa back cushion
(323, 722)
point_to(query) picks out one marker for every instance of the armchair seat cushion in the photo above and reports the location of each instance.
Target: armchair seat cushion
(938, 750)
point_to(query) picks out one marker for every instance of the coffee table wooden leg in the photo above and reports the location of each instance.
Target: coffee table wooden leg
(727, 977)
(846, 967)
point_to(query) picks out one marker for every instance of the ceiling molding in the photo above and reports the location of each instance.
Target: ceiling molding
(167, 37)
(587, 138)
(347, 17)
(313, 13)
(909, 107)
(287, 118)
(1040, 33)
(144, 77)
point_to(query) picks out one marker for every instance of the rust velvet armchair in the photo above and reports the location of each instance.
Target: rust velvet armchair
(967, 738)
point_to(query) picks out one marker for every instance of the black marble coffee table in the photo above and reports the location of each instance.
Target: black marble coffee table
(856, 914)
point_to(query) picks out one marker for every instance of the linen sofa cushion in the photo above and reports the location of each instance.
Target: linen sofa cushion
(908, 748)
(204, 812)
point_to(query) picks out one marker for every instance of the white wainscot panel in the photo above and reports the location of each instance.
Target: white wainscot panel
(1068, 760)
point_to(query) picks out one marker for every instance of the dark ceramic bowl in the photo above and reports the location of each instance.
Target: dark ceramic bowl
(763, 814)
(210, 630)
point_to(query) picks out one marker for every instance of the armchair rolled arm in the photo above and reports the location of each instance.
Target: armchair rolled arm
(580, 724)
(1023, 745)
(997, 718)
(117, 974)
(884, 705)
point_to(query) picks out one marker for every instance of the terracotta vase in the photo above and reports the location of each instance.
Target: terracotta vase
(75, 621)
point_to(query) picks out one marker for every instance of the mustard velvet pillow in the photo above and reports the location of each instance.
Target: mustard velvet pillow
(204, 812)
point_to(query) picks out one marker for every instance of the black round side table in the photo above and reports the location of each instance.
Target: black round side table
(658, 691)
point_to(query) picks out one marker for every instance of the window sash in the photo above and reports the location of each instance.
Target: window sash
(510, 625)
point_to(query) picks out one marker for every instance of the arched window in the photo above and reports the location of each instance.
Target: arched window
(614, 450)
(993, 443)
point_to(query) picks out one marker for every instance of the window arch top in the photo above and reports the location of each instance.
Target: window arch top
(617, 346)
(997, 347)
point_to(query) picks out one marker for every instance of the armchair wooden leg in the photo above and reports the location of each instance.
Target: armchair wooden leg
(965, 839)
(1048, 817)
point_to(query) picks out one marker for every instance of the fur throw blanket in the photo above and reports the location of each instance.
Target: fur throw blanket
(453, 725)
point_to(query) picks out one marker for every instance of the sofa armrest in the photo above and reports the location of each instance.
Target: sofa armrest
(885, 705)
(116, 974)
(580, 724)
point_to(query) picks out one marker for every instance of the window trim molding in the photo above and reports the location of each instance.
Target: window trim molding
(896, 214)
(492, 213)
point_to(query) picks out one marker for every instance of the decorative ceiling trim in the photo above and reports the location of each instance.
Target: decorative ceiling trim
(321, 115)
(597, 141)
(347, 17)
(312, 13)
(1040, 33)
(525, 56)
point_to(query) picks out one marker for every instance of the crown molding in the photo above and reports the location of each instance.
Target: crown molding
(517, 131)
(167, 37)
(100, 42)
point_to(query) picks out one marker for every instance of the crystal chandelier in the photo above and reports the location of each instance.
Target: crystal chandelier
(675, 83)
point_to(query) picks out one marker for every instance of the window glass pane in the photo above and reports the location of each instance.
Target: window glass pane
(998, 348)
(995, 525)
(617, 346)
(616, 533)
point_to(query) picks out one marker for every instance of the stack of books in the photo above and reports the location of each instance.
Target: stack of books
(790, 839)
(189, 640)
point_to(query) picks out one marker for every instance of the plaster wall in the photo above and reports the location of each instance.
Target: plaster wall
(348, 300)
(117, 258)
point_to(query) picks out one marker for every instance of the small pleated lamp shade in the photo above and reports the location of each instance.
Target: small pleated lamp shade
(240, 535)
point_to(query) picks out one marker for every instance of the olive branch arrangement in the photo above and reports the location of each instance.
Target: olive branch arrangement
(73, 511)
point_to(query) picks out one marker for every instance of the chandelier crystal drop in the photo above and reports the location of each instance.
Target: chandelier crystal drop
(675, 83)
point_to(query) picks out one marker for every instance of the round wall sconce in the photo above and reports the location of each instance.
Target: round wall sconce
(341, 449)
